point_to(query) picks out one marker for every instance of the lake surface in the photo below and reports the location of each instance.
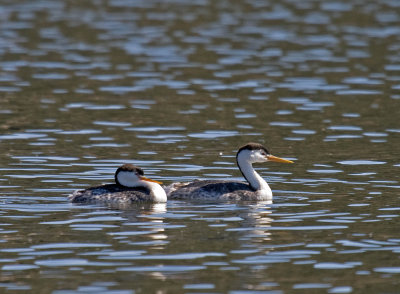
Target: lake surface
(176, 87)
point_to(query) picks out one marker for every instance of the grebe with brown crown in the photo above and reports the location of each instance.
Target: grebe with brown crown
(256, 187)
(130, 186)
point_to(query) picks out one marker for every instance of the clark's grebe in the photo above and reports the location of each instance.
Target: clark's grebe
(130, 186)
(256, 189)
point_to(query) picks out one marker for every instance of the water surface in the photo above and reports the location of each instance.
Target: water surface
(176, 87)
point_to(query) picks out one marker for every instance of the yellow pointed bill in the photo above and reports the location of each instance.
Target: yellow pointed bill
(150, 180)
(278, 159)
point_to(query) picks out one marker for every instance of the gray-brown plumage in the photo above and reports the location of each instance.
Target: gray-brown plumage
(130, 187)
(256, 187)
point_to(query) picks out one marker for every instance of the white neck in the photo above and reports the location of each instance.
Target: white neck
(129, 179)
(157, 192)
(253, 178)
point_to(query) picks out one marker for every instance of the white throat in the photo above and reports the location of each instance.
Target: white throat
(131, 180)
(157, 192)
(245, 163)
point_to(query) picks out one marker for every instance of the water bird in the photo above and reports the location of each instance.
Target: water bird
(130, 186)
(256, 187)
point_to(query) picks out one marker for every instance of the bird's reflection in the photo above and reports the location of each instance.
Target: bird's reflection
(258, 217)
(147, 217)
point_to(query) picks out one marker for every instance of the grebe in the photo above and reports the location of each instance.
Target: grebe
(130, 186)
(256, 189)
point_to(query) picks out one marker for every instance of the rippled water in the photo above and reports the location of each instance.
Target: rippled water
(176, 87)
